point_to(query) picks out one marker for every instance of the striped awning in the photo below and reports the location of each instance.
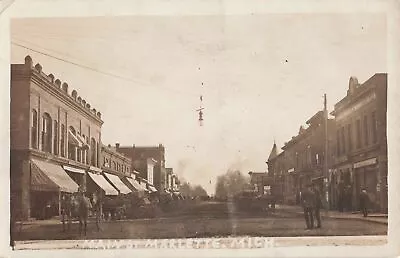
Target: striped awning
(103, 184)
(151, 188)
(135, 184)
(47, 176)
(117, 182)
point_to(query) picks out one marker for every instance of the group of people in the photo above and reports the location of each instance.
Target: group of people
(312, 204)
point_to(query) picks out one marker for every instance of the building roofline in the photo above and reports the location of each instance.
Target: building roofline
(61, 89)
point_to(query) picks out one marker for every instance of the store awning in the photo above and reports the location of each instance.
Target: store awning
(135, 184)
(55, 173)
(73, 139)
(151, 188)
(144, 186)
(75, 170)
(103, 184)
(117, 182)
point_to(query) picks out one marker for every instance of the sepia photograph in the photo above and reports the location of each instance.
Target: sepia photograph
(202, 131)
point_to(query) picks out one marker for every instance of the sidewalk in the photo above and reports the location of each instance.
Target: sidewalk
(372, 217)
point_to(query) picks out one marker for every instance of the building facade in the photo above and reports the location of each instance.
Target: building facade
(302, 160)
(51, 130)
(149, 161)
(361, 144)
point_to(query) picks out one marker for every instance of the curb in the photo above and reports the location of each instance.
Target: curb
(342, 218)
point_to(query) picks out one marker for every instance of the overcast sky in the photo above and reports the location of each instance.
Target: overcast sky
(263, 76)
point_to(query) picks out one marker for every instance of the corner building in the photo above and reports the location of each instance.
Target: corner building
(361, 144)
(55, 138)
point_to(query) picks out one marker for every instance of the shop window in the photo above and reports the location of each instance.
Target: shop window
(358, 125)
(46, 133)
(34, 129)
(374, 126)
(62, 140)
(55, 138)
(366, 135)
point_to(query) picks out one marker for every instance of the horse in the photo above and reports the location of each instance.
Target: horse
(83, 206)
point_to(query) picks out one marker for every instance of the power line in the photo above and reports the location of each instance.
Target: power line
(97, 70)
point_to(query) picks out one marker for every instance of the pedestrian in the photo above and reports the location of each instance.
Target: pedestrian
(341, 196)
(364, 199)
(308, 202)
(318, 206)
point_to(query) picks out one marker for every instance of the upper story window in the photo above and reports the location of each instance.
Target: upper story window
(72, 152)
(349, 138)
(46, 132)
(55, 137)
(374, 127)
(366, 134)
(93, 150)
(62, 140)
(338, 142)
(343, 144)
(358, 128)
(34, 129)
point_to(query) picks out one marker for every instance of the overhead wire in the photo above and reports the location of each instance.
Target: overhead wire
(137, 83)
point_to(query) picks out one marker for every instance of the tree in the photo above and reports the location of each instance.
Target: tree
(231, 183)
(198, 190)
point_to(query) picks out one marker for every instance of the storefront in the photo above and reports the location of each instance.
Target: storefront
(366, 175)
(78, 175)
(48, 182)
(118, 184)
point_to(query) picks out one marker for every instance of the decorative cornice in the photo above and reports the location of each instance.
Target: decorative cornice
(56, 88)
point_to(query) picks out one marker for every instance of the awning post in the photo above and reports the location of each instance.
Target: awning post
(59, 203)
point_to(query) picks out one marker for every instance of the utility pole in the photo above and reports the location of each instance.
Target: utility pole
(326, 174)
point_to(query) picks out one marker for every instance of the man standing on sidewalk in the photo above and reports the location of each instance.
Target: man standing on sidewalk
(308, 201)
(364, 202)
(318, 206)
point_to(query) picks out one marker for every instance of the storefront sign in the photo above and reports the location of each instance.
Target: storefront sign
(365, 163)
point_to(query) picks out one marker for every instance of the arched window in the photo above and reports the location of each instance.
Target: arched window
(87, 151)
(55, 138)
(71, 146)
(93, 150)
(46, 132)
(34, 129)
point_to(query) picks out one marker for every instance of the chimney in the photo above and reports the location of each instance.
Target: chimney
(28, 61)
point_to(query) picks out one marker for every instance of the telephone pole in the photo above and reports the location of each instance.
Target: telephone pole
(326, 174)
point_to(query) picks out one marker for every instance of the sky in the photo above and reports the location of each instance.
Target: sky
(263, 76)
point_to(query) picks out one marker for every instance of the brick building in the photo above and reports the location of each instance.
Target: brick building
(55, 137)
(361, 144)
(149, 161)
(302, 160)
(116, 168)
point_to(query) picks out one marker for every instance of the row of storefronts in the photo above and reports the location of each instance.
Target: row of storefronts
(354, 141)
(56, 151)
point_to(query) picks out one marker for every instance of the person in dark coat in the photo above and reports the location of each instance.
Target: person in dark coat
(364, 199)
(308, 202)
(318, 206)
